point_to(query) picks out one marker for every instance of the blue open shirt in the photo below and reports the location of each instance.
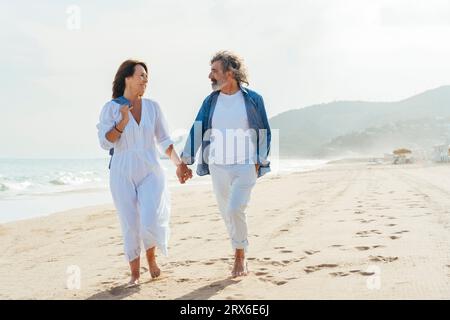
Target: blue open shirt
(200, 131)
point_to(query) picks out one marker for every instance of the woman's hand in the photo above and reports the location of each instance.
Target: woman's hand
(125, 116)
(183, 172)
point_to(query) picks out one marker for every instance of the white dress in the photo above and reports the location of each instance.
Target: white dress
(137, 180)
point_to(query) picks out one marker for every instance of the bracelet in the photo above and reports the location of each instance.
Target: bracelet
(117, 129)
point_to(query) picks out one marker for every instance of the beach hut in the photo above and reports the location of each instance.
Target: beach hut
(441, 153)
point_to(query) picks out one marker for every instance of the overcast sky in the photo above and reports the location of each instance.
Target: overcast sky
(56, 67)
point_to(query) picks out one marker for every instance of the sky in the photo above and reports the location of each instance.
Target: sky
(59, 58)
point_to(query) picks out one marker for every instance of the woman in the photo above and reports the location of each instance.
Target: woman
(137, 181)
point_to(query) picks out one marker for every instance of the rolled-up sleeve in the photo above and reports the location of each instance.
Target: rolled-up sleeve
(106, 123)
(162, 130)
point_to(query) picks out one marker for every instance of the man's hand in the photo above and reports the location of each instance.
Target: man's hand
(183, 173)
(257, 168)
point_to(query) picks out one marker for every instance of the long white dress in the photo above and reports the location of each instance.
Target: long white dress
(137, 180)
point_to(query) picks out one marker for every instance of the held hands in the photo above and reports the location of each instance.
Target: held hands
(183, 173)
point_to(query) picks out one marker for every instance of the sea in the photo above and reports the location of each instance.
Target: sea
(37, 187)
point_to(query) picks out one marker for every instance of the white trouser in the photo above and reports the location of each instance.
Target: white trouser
(232, 186)
(143, 204)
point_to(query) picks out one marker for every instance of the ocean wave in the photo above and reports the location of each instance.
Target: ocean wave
(15, 186)
(74, 179)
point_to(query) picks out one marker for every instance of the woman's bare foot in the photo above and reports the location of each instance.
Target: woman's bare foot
(240, 267)
(155, 272)
(135, 274)
(133, 282)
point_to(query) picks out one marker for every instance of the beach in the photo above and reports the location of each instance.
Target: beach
(348, 230)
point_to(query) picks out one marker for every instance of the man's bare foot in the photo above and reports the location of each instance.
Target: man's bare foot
(155, 272)
(240, 267)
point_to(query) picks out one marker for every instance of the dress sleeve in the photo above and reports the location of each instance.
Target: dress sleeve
(162, 130)
(106, 123)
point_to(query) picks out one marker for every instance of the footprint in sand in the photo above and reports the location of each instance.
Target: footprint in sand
(400, 232)
(311, 252)
(366, 233)
(286, 251)
(362, 248)
(190, 261)
(382, 259)
(391, 225)
(310, 269)
(364, 273)
(299, 259)
(367, 221)
(394, 237)
(339, 274)
(276, 282)
(260, 273)
(336, 245)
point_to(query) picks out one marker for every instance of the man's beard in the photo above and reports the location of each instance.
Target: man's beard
(217, 85)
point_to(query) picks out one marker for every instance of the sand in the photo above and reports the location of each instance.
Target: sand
(346, 231)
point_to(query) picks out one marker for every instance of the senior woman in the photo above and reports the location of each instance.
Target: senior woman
(134, 127)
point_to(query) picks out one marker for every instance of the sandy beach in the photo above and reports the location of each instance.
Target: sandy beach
(350, 230)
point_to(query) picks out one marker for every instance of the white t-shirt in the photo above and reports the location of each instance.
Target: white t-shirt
(232, 141)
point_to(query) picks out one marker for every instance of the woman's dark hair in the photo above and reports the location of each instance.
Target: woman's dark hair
(126, 69)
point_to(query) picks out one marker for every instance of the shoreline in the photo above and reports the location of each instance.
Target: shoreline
(68, 200)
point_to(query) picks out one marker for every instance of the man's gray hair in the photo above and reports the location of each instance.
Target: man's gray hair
(232, 62)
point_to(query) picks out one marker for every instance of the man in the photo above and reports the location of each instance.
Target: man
(234, 134)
